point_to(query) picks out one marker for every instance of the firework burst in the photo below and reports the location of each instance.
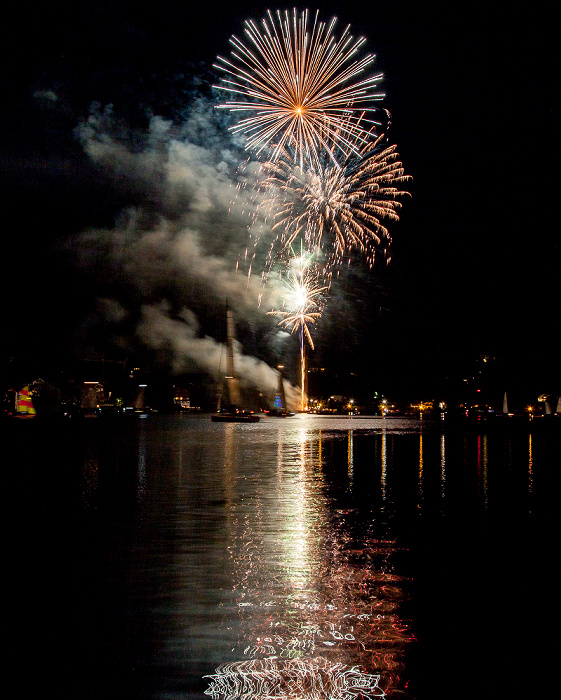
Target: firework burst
(334, 207)
(298, 84)
(303, 299)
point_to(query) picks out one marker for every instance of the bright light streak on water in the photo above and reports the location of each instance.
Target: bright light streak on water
(530, 463)
(421, 464)
(141, 464)
(350, 457)
(384, 465)
(443, 465)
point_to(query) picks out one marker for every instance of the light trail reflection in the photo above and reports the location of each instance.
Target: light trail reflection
(530, 463)
(316, 596)
(313, 679)
(350, 457)
(421, 464)
(485, 465)
(482, 467)
(442, 466)
(384, 461)
(141, 487)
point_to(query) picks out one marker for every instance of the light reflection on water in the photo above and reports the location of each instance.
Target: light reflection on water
(530, 462)
(317, 605)
(442, 466)
(420, 503)
(279, 559)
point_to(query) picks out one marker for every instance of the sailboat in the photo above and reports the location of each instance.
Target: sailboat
(232, 413)
(23, 407)
(279, 406)
(505, 405)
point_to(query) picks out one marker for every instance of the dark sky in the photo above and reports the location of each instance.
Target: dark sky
(475, 257)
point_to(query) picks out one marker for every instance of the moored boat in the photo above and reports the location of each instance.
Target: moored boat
(279, 413)
(235, 417)
(23, 405)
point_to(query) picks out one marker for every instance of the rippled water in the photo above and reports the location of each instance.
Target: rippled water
(309, 557)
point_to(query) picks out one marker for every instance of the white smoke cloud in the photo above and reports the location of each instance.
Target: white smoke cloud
(186, 227)
(192, 215)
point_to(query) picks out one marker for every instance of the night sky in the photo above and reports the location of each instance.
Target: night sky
(116, 171)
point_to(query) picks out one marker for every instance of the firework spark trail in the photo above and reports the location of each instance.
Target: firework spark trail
(301, 87)
(344, 204)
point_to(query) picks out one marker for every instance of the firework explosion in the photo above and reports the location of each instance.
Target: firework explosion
(302, 298)
(299, 83)
(329, 180)
(338, 208)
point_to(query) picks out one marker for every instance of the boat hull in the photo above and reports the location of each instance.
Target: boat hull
(234, 418)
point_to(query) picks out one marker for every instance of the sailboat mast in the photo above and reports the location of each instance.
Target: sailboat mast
(233, 384)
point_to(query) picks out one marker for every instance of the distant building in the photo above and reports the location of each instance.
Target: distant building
(182, 400)
(92, 396)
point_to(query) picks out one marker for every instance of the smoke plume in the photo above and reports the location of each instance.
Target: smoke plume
(181, 244)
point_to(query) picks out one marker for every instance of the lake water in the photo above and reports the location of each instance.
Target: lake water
(308, 557)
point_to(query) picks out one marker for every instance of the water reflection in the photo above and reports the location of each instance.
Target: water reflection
(313, 679)
(384, 465)
(421, 464)
(317, 602)
(350, 457)
(141, 463)
(269, 560)
(443, 466)
(530, 463)
(483, 463)
(90, 478)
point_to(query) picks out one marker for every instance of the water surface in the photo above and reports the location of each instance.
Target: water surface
(308, 557)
